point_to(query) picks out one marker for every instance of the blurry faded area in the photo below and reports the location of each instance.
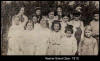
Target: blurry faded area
(10, 8)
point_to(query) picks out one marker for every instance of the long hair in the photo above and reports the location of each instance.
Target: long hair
(47, 24)
(61, 8)
(67, 15)
(69, 28)
(55, 22)
(29, 21)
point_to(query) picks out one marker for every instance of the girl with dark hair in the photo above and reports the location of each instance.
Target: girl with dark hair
(27, 42)
(56, 26)
(54, 41)
(68, 42)
(29, 25)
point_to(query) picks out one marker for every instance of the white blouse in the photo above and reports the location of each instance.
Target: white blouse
(68, 46)
(42, 38)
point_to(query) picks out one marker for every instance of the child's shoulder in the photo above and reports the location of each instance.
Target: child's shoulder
(92, 21)
(94, 40)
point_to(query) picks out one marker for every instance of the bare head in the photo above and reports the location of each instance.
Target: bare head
(35, 19)
(51, 14)
(59, 10)
(38, 11)
(21, 11)
(56, 26)
(65, 19)
(88, 31)
(69, 30)
(44, 23)
(29, 25)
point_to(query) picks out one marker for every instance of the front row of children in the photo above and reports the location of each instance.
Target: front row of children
(68, 44)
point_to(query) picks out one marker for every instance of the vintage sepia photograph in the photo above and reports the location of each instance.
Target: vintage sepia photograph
(50, 28)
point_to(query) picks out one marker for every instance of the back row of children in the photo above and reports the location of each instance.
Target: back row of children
(53, 35)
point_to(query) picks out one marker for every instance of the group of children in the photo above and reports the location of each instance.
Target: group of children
(52, 35)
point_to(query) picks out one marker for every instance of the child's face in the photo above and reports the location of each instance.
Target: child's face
(56, 27)
(22, 10)
(17, 21)
(29, 26)
(43, 23)
(51, 15)
(65, 18)
(38, 12)
(59, 11)
(76, 18)
(35, 19)
(68, 34)
(88, 33)
(96, 16)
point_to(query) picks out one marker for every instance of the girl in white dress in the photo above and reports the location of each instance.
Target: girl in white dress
(28, 42)
(54, 41)
(42, 38)
(15, 33)
(68, 42)
(89, 45)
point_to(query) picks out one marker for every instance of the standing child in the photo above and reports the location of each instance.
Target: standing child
(95, 26)
(68, 42)
(89, 45)
(27, 42)
(42, 38)
(54, 42)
